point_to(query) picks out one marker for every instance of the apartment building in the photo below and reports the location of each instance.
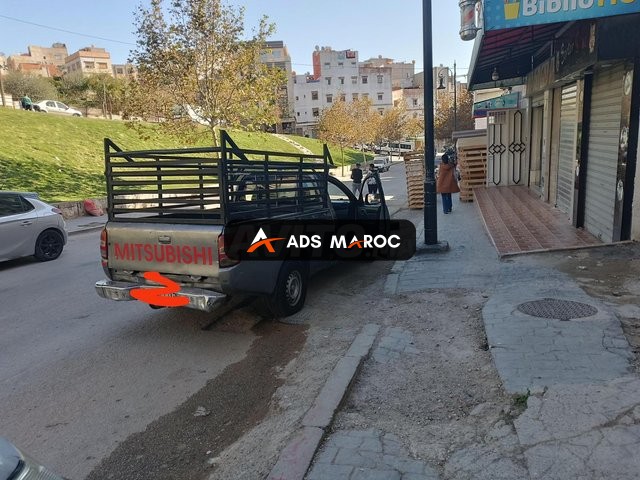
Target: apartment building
(276, 55)
(413, 100)
(338, 75)
(43, 61)
(402, 73)
(124, 70)
(89, 61)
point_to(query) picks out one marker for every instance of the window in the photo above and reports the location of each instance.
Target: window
(316, 112)
(354, 63)
(336, 194)
(102, 65)
(329, 98)
(380, 78)
(89, 65)
(296, 98)
(354, 96)
(381, 111)
(13, 205)
(365, 79)
(343, 97)
(354, 80)
(365, 95)
(314, 95)
(298, 113)
(328, 79)
(120, 71)
(341, 80)
(415, 102)
(341, 64)
(327, 64)
(380, 95)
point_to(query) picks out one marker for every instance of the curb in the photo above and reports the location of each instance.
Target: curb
(83, 230)
(296, 458)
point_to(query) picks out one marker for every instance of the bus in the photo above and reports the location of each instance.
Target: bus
(398, 148)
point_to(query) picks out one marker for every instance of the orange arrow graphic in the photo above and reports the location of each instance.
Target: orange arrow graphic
(158, 295)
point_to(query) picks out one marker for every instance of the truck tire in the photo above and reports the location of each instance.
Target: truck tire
(290, 292)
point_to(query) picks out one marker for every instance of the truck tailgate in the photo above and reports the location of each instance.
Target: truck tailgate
(165, 248)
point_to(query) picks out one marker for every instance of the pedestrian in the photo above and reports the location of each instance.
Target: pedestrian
(447, 183)
(26, 103)
(356, 178)
(372, 184)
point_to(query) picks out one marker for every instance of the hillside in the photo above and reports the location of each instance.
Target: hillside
(61, 157)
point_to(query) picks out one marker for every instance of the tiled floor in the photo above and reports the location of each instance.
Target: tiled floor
(518, 222)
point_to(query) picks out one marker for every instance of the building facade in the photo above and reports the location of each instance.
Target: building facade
(276, 55)
(42, 61)
(574, 134)
(338, 75)
(89, 61)
(402, 73)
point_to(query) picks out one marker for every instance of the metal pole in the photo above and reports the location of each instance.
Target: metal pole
(430, 214)
(455, 98)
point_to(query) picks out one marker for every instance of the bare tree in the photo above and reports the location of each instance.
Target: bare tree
(196, 67)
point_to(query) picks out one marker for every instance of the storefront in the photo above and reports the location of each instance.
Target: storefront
(582, 83)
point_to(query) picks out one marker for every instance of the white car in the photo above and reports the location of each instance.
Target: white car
(53, 106)
(29, 226)
(381, 162)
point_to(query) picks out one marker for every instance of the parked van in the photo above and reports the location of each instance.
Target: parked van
(398, 148)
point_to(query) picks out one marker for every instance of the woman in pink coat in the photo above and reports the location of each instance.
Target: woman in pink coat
(447, 183)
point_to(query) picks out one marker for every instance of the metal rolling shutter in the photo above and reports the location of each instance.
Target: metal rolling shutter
(604, 132)
(567, 154)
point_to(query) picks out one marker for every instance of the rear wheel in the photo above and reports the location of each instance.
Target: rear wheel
(49, 245)
(291, 290)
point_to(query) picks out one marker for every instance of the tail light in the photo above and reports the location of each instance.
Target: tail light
(223, 260)
(104, 247)
(56, 210)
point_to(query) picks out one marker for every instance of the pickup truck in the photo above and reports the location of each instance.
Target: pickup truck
(168, 210)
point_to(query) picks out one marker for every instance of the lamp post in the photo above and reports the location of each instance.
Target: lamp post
(430, 214)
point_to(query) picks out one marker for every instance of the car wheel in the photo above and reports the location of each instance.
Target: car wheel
(49, 245)
(291, 290)
(77, 115)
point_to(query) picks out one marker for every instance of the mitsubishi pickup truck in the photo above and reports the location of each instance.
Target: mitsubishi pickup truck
(168, 211)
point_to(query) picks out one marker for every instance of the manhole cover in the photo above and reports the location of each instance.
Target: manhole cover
(557, 309)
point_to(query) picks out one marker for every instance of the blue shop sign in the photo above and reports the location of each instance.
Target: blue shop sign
(500, 14)
(498, 103)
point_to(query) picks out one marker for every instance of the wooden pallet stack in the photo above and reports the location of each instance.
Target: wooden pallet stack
(414, 167)
(472, 161)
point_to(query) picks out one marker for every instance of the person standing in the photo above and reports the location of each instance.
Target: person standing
(447, 183)
(356, 178)
(372, 184)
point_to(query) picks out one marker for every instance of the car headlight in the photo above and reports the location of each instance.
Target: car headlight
(17, 466)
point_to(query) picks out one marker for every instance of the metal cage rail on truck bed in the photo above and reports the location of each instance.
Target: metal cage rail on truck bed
(212, 185)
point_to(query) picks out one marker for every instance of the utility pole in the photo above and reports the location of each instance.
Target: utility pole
(455, 98)
(430, 213)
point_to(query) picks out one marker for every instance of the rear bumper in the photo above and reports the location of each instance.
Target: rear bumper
(199, 299)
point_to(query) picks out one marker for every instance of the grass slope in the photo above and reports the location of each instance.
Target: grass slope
(62, 158)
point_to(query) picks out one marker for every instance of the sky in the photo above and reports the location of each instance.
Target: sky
(392, 29)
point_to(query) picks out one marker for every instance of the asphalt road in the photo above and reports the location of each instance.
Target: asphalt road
(79, 374)
(81, 377)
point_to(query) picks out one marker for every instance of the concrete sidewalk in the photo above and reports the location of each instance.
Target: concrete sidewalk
(567, 357)
(85, 224)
